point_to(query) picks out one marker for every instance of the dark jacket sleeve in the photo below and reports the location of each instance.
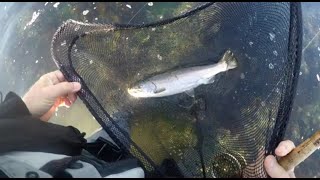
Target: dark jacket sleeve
(19, 131)
(13, 106)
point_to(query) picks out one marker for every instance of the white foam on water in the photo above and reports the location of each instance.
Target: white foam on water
(275, 53)
(159, 57)
(56, 4)
(272, 36)
(85, 12)
(35, 15)
(271, 66)
(129, 6)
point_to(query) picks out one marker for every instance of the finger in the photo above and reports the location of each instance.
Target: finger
(291, 174)
(52, 78)
(59, 75)
(67, 102)
(56, 77)
(72, 97)
(62, 101)
(46, 117)
(62, 89)
(274, 169)
(284, 148)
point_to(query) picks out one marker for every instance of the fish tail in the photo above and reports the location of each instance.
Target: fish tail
(229, 59)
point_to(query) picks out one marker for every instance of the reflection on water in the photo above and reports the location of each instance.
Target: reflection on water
(26, 32)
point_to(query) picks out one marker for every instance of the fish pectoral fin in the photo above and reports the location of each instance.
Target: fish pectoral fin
(209, 81)
(159, 90)
(190, 92)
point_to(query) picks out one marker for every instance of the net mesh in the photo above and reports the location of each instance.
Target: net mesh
(230, 125)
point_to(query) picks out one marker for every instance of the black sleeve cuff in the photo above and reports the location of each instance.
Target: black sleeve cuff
(13, 106)
(19, 131)
(30, 134)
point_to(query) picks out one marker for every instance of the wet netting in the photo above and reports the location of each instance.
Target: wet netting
(230, 124)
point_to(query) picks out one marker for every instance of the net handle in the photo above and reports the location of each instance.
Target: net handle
(300, 153)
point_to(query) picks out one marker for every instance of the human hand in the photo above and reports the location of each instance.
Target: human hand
(272, 166)
(48, 93)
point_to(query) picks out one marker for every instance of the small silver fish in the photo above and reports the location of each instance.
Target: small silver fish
(183, 80)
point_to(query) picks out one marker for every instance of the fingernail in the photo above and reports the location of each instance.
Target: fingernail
(279, 150)
(76, 86)
(282, 149)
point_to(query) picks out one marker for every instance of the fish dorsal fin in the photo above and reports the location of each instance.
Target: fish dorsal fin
(190, 92)
(159, 90)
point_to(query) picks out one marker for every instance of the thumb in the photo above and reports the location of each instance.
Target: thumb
(63, 89)
(274, 169)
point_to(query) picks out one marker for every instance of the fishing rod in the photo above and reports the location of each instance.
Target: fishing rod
(300, 153)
